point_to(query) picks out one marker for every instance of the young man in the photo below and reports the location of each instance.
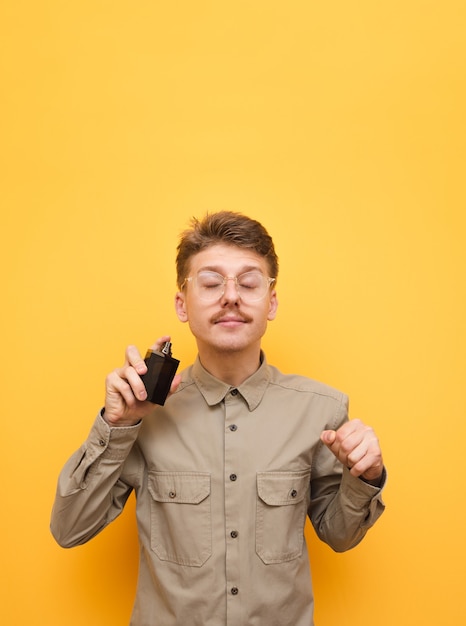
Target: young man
(226, 471)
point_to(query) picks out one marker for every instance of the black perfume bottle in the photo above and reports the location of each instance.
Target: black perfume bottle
(161, 369)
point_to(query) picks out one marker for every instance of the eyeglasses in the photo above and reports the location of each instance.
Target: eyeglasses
(210, 286)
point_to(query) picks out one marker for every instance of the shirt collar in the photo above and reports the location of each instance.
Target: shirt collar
(214, 390)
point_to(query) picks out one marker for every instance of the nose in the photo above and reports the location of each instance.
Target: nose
(230, 293)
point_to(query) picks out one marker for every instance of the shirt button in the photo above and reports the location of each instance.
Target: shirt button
(234, 534)
(102, 442)
(233, 427)
(234, 591)
(294, 493)
(234, 392)
(172, 494)
(233, 477)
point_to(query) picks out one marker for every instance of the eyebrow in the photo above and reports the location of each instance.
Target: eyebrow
(218, 270)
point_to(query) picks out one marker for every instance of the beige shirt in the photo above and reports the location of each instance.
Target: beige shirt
(223, 478)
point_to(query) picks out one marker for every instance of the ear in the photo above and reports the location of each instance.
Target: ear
(180, 306)
(273, 306)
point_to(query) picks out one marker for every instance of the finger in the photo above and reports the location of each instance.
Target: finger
(119, 386)
(328, 437)
(352, 435)
(134, 358)
(369, 466)
(356, 456)
(346, 443)
(353, 428)
(175, 383)
(159, 342)
(367, 457)
(133, 378)
(341, 441)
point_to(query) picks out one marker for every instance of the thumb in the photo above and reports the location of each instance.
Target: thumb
(328, 437)
(175, 383)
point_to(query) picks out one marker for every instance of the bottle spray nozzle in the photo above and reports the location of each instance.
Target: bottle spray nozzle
(167, 348)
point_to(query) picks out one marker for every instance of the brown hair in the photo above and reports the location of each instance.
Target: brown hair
(224, 227)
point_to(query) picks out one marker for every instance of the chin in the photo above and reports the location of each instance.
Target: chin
(229, 346)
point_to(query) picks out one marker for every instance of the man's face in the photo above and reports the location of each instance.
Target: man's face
(227, 324)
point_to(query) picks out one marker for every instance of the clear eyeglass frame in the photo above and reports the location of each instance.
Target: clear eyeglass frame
(210, 286)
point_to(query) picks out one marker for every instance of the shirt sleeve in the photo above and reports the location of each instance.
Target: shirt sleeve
(90, 493)
(343, 507)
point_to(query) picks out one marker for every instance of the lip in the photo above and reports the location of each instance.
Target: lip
(230, 321)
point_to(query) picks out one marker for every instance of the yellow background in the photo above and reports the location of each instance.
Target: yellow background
(341, 126)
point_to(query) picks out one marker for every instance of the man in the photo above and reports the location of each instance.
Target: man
(226, 471)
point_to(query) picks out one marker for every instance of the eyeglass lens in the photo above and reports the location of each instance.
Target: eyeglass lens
(250, 285)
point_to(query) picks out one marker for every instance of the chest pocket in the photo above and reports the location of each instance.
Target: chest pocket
(282, 502)
(181, 525)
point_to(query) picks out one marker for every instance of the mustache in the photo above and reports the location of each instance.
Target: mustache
(233, 314)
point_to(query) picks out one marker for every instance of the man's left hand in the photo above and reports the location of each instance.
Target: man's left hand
(356, 446)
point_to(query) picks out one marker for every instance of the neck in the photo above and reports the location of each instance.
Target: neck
(232, 368)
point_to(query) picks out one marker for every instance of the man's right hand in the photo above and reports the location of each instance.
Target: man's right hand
(125, 397)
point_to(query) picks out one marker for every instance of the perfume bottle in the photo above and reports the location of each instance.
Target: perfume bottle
(161, 369)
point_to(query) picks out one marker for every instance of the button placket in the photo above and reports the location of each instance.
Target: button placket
(234, 408)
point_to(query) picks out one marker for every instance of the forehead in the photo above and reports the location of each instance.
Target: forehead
(227, 260)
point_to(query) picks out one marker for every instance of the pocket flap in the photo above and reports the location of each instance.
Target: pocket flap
(279, 488)
(180, 487)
